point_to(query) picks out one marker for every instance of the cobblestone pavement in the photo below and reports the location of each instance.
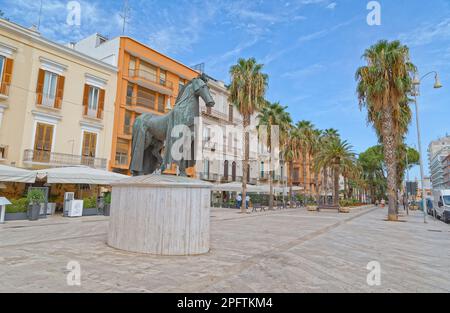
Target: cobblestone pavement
(281, 251)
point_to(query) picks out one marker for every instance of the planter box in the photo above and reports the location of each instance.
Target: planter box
(90, 212)
(107, 210)
(16, 217)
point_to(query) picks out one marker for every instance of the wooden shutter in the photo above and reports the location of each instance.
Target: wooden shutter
(93, 145)
(48, 138)
(7, 76)
(59, 92)
(86, 99)
(101, 103)
(40, 86)
(89, 144)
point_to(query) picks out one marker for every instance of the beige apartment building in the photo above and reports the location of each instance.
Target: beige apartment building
(56, 104)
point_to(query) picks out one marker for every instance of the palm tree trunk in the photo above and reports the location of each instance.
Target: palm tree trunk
(270, 183)
(389, 146)
(304, 174)
(336, 186)
(291, 170)
(246, 123)
(316, 182)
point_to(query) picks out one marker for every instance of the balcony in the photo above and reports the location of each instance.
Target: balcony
(4, 91)
(51, 159)
(150, 81)
(144, 103)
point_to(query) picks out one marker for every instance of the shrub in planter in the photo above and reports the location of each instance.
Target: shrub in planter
(35, 197)
(89, 203)
(17, 206)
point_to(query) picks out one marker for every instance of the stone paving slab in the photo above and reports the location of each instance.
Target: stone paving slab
(278, 251)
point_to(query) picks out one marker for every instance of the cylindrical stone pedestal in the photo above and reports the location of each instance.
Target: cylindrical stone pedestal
(160, 215)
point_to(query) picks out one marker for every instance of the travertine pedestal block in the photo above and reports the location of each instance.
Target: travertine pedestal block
(161, 215)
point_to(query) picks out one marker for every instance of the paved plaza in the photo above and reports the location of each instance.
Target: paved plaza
(282, 251)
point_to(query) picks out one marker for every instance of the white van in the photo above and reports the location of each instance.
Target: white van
(441, 204)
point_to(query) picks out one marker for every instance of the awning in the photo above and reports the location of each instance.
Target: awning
(237, 187)
(79, 175)
(10, 174)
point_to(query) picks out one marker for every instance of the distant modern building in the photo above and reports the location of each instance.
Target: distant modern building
(56, 104)
(438, 151)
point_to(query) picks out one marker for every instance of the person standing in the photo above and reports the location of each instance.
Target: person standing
(239, 201)
(247, 201)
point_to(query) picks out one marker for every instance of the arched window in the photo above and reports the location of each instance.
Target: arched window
(225, 170)
(233, 172)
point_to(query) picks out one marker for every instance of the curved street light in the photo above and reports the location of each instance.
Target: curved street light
(437, 85)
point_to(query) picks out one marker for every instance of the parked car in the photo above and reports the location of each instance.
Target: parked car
(441, 204)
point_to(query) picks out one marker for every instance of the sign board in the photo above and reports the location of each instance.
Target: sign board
(76, 208)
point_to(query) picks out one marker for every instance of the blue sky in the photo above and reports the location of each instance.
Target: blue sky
(310, 48)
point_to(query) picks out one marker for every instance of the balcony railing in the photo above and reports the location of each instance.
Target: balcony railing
(150, 77)
(38, 157)
(4, 89)
(145, 103)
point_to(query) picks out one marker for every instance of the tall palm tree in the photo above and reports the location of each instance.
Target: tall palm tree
(327, 135)
(305, 129)
(314, 149)
(338, 155)
(271, 116)
(291, 153)
(247, 90)
(383, 86)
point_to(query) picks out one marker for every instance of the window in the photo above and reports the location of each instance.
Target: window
(127, 123)
(181, 84)
(230, 113)
(49, 91)
(132, 66)
(206, 168)
(94, 94)
(161, 103)
(225, 170)
(122, 152)
(162, 77)
(130, 90)
(262, 170)
(43, 143)
(147, 71)
(89, 148)
(3, 152)
(233, 171)
(146, 98)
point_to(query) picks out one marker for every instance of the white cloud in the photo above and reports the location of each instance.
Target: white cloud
(331, 6)
(427, 33)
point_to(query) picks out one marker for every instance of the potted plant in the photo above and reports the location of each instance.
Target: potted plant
(90, 206)
(35, 197)
(17, 210)
(107, 204)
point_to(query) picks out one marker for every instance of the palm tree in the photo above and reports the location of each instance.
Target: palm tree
(327, 135)
(383, 86)
(291, 153)
(271, 115)
(247, 90)
(314, 149)
(338, 155)
(305, 129)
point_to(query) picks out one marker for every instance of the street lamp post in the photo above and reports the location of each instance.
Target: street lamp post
(437, 84)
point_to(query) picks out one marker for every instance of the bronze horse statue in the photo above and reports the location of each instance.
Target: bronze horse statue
(152, 134)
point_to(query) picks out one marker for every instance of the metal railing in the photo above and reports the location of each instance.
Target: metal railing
(146, 103)
(61, 159)
(151, 77)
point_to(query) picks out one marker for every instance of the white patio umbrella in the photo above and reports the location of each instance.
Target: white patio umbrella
(235, 187)
(79, 175)
(10, 174)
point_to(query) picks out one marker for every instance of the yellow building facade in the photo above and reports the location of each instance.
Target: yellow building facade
(56, 104)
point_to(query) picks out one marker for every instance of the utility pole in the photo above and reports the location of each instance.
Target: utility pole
(125, 15)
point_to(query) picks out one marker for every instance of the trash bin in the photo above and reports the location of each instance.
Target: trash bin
(34, 211)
